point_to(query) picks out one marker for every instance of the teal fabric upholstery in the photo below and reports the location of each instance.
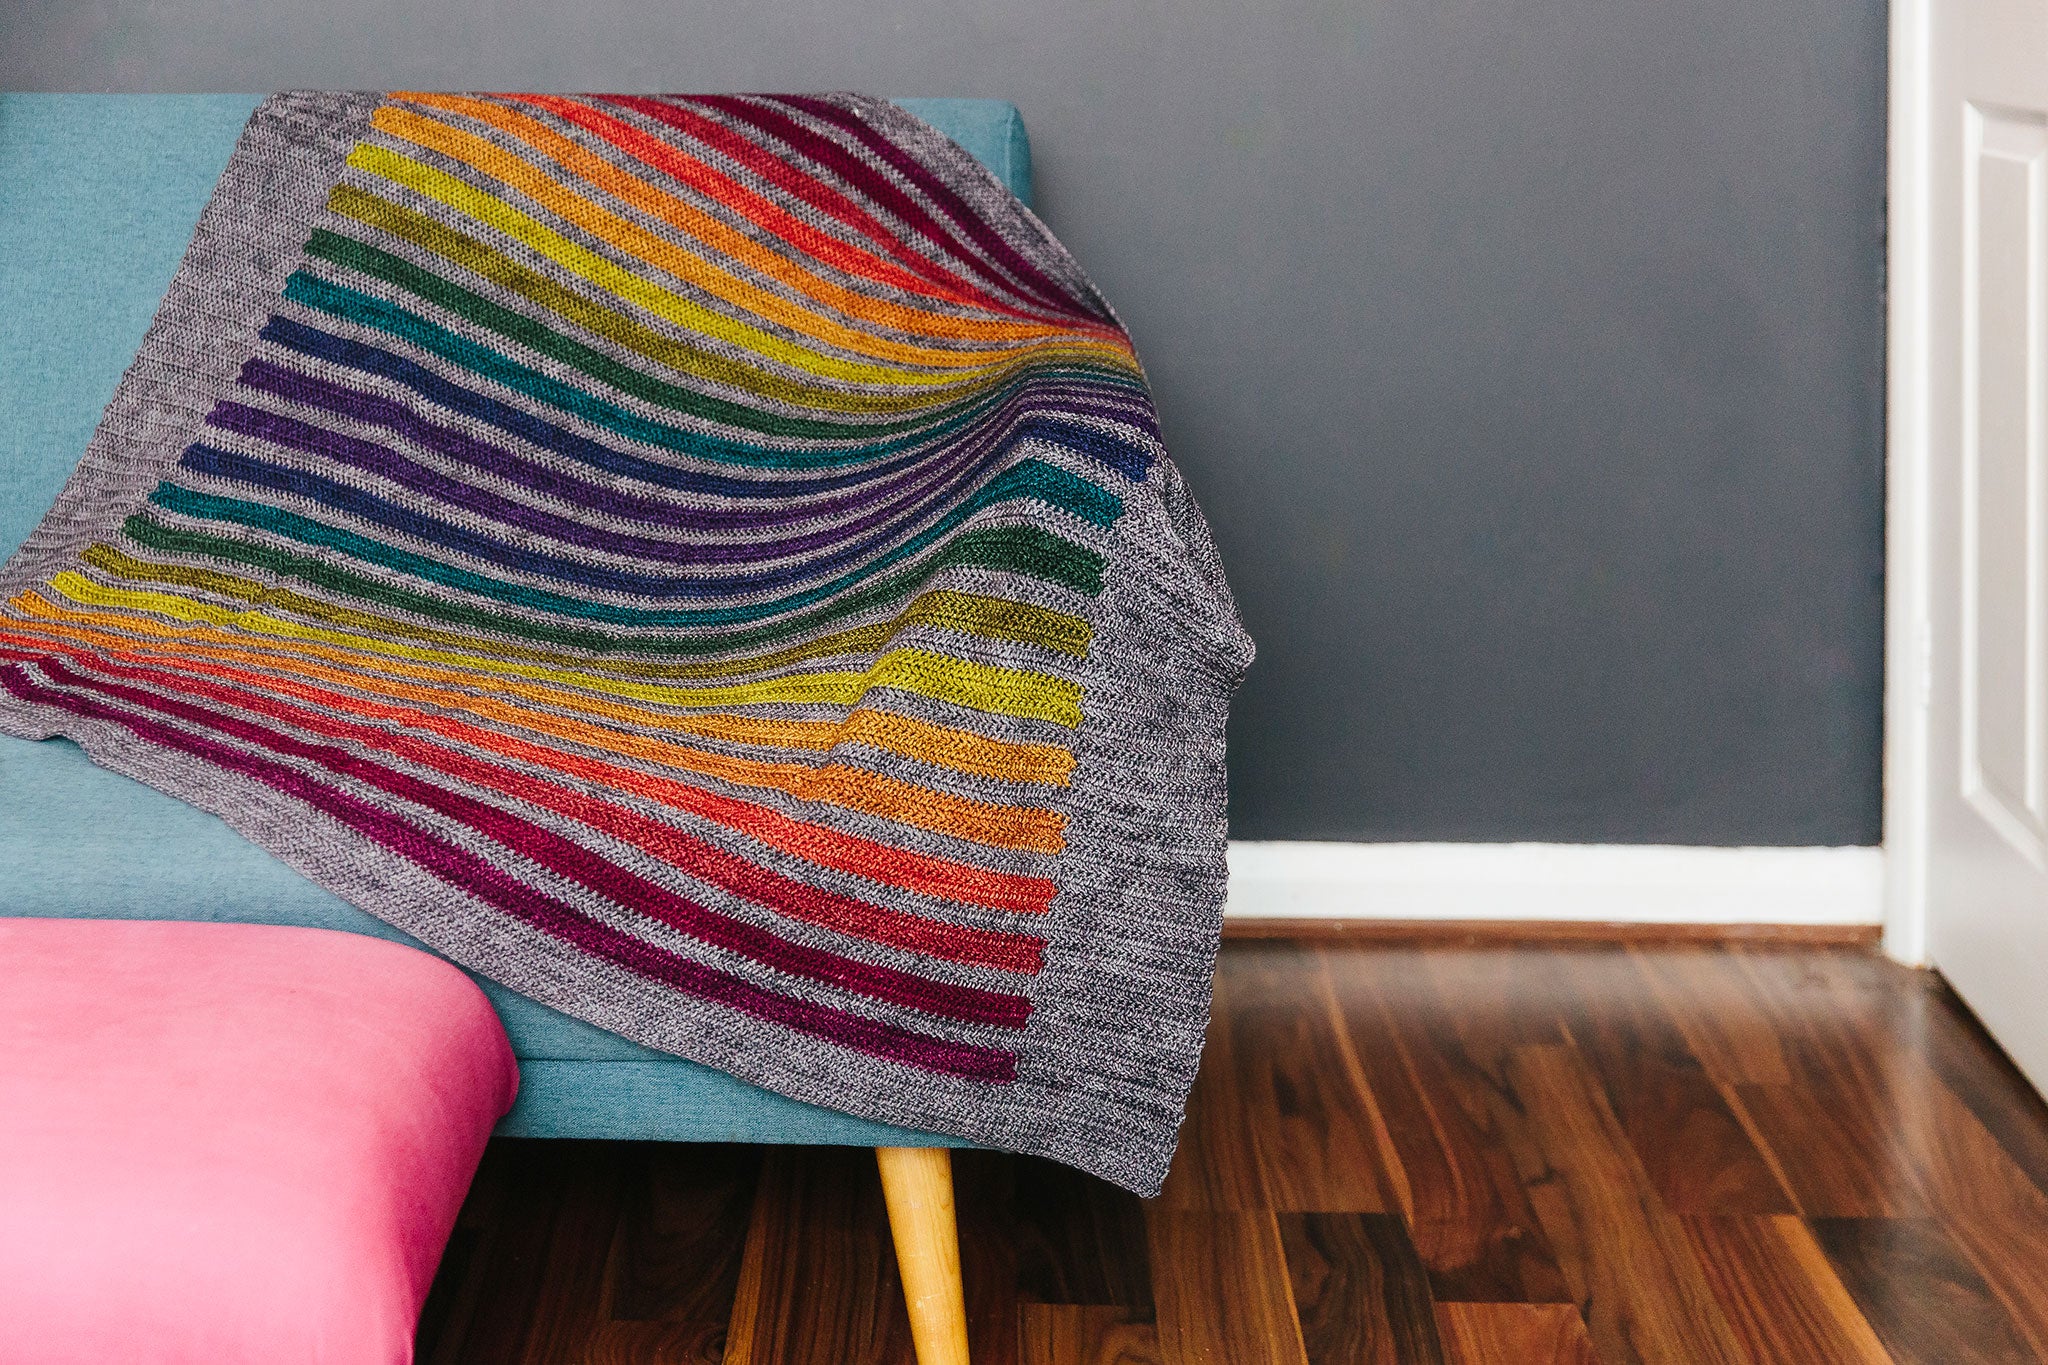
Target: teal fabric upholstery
(992, 130)
(98, 196)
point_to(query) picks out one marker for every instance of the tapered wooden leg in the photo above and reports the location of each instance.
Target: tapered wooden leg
(918, 1184)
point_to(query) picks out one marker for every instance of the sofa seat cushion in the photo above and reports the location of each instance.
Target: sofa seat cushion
(226, 1143)
(77, 840)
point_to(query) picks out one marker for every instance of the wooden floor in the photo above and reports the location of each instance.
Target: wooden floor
(1559, 1153)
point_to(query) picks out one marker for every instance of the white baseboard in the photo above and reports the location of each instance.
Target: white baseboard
(1597, 883)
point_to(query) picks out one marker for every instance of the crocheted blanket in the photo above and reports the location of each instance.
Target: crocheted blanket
(706, 563)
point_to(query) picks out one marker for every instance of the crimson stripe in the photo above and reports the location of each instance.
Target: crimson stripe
(467, 872)
(885, 192)
(930, 280)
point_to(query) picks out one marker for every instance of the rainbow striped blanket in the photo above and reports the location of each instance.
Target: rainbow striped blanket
(706, 563)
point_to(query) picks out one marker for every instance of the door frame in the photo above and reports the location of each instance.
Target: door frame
(1908, 646)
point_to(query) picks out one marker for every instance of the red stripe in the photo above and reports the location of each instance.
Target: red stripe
(1015, 272)
(765, 212)
(797, 183)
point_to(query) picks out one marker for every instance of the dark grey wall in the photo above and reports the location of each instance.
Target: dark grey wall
(1525, 353)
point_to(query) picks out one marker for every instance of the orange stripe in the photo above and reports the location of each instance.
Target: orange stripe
(773, 219)
(940, 745)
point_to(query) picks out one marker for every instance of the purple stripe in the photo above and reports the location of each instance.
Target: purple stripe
(920, 467)
(568, 859)
(471, 874)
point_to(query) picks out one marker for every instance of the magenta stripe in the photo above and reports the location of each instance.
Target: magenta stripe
(569, 859)
(469, 873)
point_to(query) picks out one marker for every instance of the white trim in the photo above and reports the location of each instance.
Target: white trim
(1597, 883)
(1908, 460)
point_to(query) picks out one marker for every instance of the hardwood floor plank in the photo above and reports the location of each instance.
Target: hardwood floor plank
(1360, 1292)
(1220, 1285)
(1698, 1156)
(1513, 1334)
(1928, 1305)
(1711, 1003)
(1641, 1292)
(818, 1278)
(1216, 1165)
(1317, 1147)
(1697, 1153)
(1781, 1296)
(1459, 1186)
(2009, 1248)
(1840, 1155)
(1085, 1334)
(1079, 1240)
(1502, 998)
(1971, 1065)
(573, 1298)
(685, 1210)
(495, 1318)
(987, 1211)
(1524, 1121)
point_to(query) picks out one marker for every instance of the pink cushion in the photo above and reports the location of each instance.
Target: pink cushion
(230, 1142)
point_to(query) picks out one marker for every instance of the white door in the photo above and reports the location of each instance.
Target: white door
(1969, 831)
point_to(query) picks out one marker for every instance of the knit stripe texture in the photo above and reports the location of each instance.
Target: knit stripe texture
(708, 563)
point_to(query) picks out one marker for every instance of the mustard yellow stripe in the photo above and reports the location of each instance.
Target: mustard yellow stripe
(942, 746)
(980, 687)
(588, 265)
(485, 156)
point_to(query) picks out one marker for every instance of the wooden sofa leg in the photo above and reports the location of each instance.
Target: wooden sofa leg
(917, 1182)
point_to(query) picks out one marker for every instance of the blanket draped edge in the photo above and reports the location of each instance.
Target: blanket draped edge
(706, 563)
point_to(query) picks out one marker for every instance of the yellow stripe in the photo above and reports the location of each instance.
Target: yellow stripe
(939, 745)
(980, 687)
(588, 265)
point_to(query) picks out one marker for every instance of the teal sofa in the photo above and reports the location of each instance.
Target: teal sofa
(98, 196)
